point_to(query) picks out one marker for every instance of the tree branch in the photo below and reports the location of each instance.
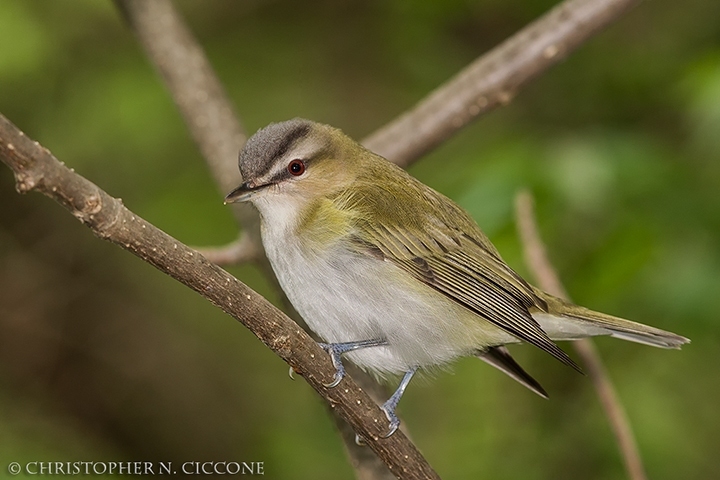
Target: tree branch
(199, 96)
(234, 253)
(210, 117)
(36, 169)
(494, 78)
(490, 81)
(537, 261)
(188, 76)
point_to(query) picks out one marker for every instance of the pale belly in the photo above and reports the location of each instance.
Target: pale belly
(355, 297)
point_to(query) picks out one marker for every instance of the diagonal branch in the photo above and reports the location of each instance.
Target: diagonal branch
(198, 93)
(209, 115)
(234, 253)
(36, 169)
(490, 81)
(199, 96)
(494, 79)
(537, 261)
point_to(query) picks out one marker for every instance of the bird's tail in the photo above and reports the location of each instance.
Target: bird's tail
(566, 321)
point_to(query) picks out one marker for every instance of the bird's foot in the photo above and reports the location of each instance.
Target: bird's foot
(335, 350)
(392, 417)
(392, 402)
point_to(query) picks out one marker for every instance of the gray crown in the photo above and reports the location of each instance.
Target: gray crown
(270, 143)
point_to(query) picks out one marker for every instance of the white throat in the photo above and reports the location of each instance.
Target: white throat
(278, 213)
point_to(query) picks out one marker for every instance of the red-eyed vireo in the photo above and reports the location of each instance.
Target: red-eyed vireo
(392, 273)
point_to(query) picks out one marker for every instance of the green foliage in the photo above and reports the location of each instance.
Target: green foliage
(102, 358)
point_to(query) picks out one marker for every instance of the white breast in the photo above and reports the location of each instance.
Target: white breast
(345, 296)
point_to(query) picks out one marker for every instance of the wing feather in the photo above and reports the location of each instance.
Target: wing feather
(441, 246)
(473, 277)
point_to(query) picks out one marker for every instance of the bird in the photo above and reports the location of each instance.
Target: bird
(393, 275)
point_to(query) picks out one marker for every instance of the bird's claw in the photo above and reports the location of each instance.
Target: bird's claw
(291, 373)
(359, 441)
(335, 350)
(392, 402)
(394, 420)
(336, 379)
(337, 363)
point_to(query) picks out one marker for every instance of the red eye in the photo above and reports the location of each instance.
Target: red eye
(296, 167)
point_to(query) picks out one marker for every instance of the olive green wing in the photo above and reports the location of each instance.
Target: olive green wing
(441, 246)
(461, 268)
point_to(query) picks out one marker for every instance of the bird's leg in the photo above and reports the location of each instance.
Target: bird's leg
(337, 349)
(392, 402)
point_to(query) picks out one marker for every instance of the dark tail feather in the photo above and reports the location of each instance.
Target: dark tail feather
(499, 357)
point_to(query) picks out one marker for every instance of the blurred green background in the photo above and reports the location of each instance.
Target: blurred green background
(104, 358)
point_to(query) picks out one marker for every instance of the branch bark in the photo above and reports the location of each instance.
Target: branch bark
(490, 81)
(537, 261)
(36, 169)
(210, 117)
(242, 250)
(198, 93)
(494, 78)
(200, 97)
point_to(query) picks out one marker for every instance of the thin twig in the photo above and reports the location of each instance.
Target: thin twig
(36, 169)
(494, 78)
(209, 115)
(198, 93)
(490, 81)
(240, 251)
(537, 261)
(200, 97)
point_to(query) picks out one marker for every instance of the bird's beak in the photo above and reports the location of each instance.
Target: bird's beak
(243, 193)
